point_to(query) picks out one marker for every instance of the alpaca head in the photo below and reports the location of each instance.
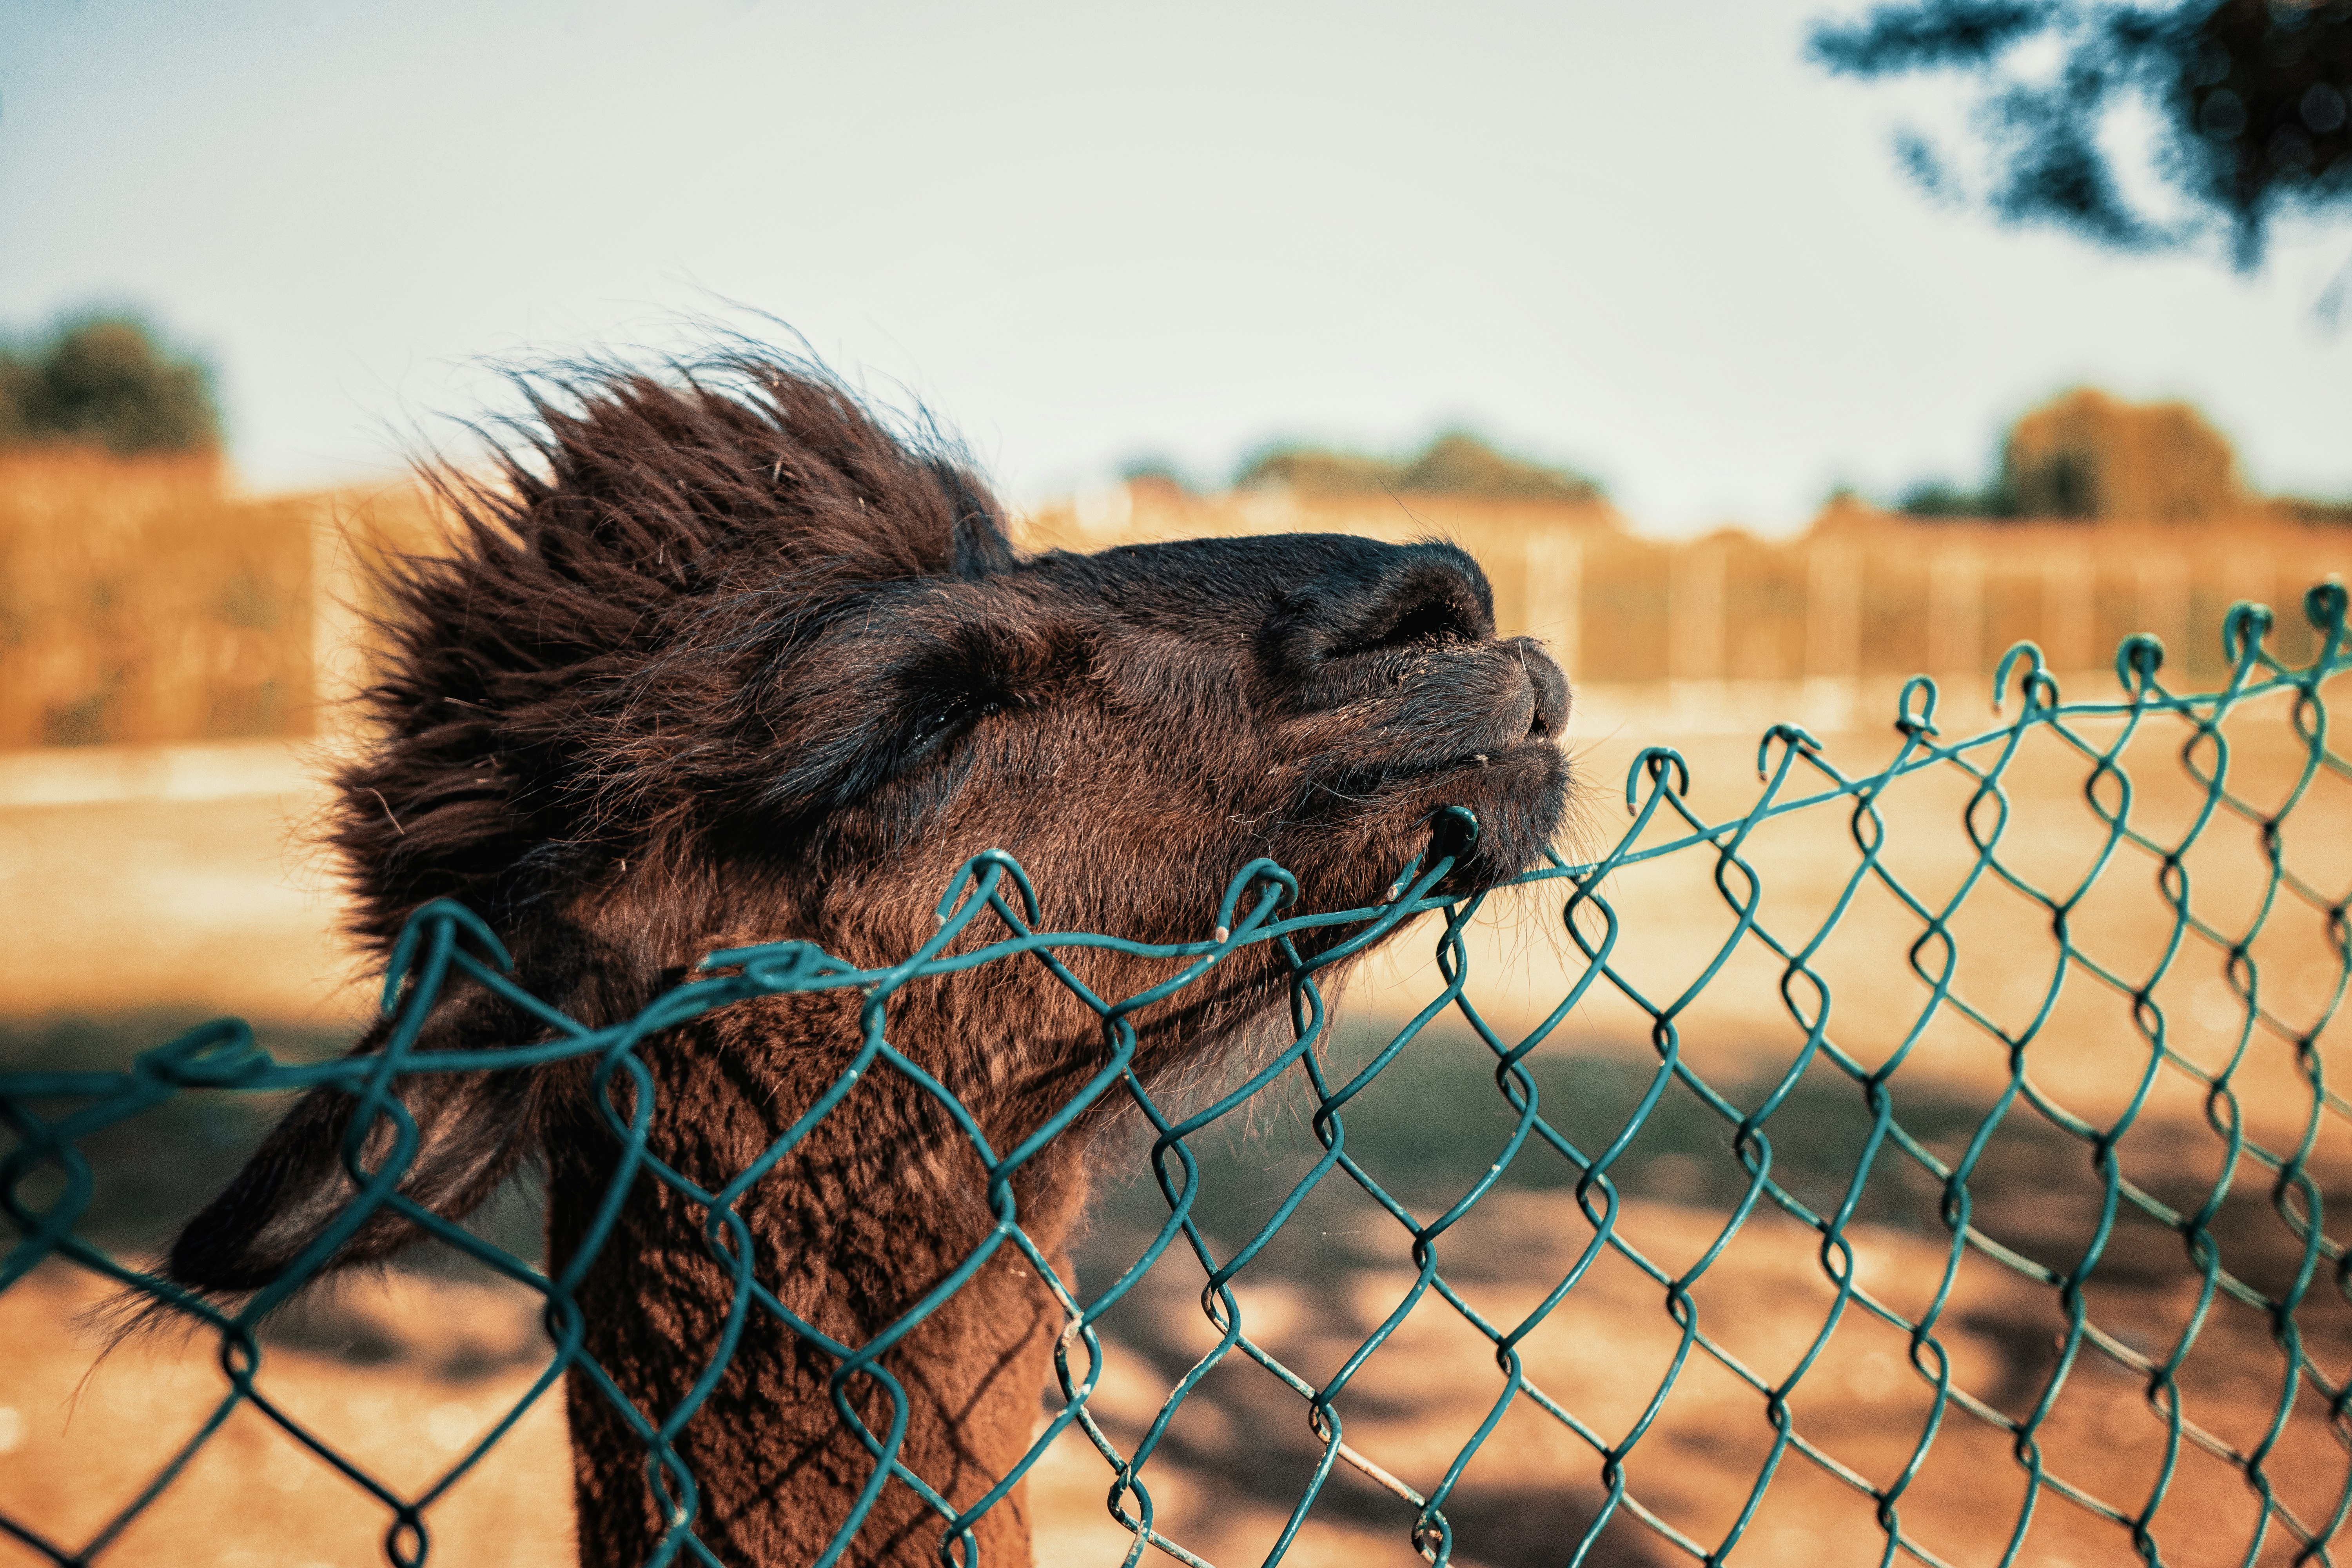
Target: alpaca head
(722, 659)
(741, 656)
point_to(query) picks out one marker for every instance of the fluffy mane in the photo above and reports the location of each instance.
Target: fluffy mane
(567, 688)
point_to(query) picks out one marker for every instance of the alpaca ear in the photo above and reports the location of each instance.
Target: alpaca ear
(473, 1131)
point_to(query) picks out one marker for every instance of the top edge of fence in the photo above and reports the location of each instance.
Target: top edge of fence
(223, 1055)
(2138, 659)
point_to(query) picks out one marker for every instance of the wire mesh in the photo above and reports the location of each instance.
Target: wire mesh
(2005, 961)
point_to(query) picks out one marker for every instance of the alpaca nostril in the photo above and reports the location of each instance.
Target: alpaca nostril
(1547, 690)
(1551, 710)
(1543, 724)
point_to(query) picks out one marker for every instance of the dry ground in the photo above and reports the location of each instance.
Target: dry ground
(401, 1379)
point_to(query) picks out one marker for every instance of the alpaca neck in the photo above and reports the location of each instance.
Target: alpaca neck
(850, 1231)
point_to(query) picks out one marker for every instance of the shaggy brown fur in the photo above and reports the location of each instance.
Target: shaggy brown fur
(723, 659)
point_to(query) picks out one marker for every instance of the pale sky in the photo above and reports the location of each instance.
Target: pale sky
(1647, 240)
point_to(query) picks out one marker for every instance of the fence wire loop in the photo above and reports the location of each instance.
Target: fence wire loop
(1658, 765)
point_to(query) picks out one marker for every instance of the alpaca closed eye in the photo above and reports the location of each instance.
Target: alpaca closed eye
(1431, 623)
(945, 723)
(1436, 622)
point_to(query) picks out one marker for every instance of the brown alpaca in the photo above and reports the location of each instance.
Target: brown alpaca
(722, 660)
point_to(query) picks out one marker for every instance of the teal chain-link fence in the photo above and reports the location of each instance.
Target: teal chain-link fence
(1930, 1163)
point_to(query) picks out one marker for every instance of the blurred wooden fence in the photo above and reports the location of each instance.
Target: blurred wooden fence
(141, 601)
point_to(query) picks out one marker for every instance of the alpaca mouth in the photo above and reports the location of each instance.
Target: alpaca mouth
(1495, 764)
(1516, 790)
(1501, 756)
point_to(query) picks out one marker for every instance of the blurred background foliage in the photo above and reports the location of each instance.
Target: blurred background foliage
(2084, 455)
(2247, 101)
(103, 380)
(1455, 462)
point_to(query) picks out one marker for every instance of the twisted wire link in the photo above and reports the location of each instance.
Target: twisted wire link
(1258, 907)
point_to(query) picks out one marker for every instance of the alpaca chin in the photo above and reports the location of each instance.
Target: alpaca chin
(722, 651)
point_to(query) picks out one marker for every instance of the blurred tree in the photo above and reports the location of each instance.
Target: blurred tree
(2087, 454)
(16, 388)
(1940, 497)
(1458, 463)
(1317, 470)
(1151, 468)
(1455, 463)
(103, 381)
(2249, 99)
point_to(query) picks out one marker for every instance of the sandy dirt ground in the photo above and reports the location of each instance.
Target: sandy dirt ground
(177, 908)
(401, 1378)
(181, 879)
